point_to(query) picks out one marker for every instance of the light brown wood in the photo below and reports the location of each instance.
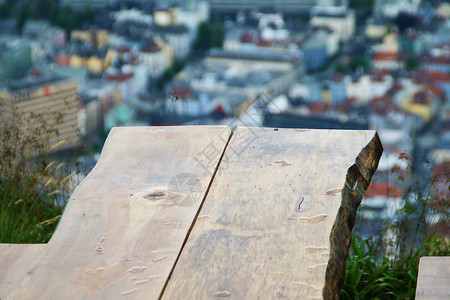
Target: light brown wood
(15, 261)
(124, 226)
(275, 217)
(433, 282)
(276, 222)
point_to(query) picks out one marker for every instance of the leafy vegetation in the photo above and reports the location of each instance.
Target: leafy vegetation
(5, 8)
(361, 3)
(356, 63)
(169, 74)
(63, 16)
(209, 35)
(405, 20)
(383, 268)
(411, 63)
(371, 275)
(31, 188)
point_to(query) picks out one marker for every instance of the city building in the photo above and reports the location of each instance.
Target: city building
(82, 4)
(42, 31)
(337, 19)
(157, 55)
(315, 53)
(391, 8)
(282, 6)
(90, 50)
(176, 35)
(42, 98)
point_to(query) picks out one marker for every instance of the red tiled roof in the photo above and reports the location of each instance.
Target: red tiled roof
(133, 60)
(439, 76)
(421, 97)
(264, 43)
(180, 92)
(151, 47)
(381, 105)
(378, 75)
(383, 189)
(123, 49)
(119, 77)
(318, 107)
(343, 107)
(441, 172)
(402, 154)
(338, 77)
(436, 90)
(383, 56)
(426, 59)
(247, 37)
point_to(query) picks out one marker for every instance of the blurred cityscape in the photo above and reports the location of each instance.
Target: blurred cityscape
(323, 64)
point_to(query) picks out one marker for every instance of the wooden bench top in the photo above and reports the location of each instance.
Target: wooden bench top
(199, 212)
(433, 281)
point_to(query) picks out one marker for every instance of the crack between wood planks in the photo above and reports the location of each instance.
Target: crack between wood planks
(196, 215)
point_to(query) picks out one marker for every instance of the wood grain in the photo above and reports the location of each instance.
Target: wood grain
(124, 226)
(433, 282)
(16, 260)
(269, 224)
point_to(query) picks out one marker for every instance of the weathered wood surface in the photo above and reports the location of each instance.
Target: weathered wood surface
(277, 220)
(433, 282)
(124, 226)
(15, 261)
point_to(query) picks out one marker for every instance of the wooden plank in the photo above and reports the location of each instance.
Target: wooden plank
(277, 220)
(125, 224)
(15, 261)
(433, 282)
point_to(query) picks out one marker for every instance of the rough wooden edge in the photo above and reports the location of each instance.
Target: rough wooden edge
(357, 180)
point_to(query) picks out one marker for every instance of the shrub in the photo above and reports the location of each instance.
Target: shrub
(379, 268)
(31, 188)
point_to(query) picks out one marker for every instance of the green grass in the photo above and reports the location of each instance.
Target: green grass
(370, 274)
(29, 185)
(369, 277)
(25, 217)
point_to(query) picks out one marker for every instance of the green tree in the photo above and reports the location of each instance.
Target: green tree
(209, 36)
(53, 14)
(361, 3)
(359, 62)
(411, 63)
(67, 18)
(5, 9)
(203, 33)
(406, 20)
(88, 13)
(169, 74)
(23, 15)
(43, 7)
(26, 12)
(216, 36)
(341, 68)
